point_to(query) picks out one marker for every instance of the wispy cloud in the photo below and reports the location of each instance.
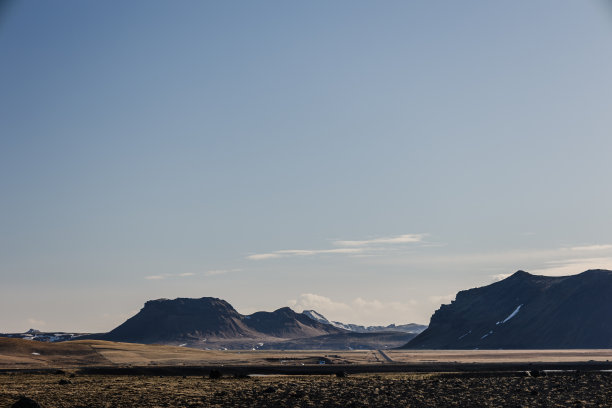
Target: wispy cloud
(36, 322)
(303, 252)
(563, 260)
(596, 247)
(169, 275)
(215, 272)
(577, 259)
(361, 248)
(211, 272)
(400, 239)
(500, 276)
(358, 310)
(564, 267)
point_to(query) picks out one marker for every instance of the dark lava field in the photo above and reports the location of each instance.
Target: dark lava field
(588, 389)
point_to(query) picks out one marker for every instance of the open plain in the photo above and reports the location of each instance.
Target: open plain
(31, 355)
(106, 374)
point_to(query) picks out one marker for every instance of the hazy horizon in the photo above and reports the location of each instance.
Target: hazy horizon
(364, 160)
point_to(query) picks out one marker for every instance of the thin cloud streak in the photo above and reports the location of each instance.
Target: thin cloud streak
(357, 248)
(604, 247)
(357, 311)
(303, 252)
(561, 261)
(259, 257)
(401, 239)
(216, 272)
(565, 267)
(500, 276)
(36, 322)
(169, 275)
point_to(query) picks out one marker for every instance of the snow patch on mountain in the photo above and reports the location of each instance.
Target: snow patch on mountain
(511, 315)
(317, 317)
(486, 335)
(460, 337)
(406, 328)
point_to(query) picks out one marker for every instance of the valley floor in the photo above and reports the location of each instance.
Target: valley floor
(588, 389)
(27, 354)
(99, 374)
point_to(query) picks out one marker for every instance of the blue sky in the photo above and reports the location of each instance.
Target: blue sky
(367, 160)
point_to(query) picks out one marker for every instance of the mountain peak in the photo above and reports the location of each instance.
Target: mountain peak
(526, 311)
(594, 272)
(284, 311)
(520, 274)
(187, 320)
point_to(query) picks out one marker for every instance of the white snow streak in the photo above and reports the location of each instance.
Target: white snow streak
(460, 337)
(489, 333)
(511, 314)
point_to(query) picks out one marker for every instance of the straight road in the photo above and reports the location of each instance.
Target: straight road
(385, 356)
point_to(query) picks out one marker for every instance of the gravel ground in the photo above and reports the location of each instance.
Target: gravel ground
(367, 390)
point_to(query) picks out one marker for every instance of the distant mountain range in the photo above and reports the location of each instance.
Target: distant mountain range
(188, 320)
(526, 311)
(405, 328)
(213, 323)
(523, 311)
(47, 337)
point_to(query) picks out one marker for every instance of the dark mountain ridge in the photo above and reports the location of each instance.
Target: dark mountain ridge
(184, 320)
(165, 320)
(526, 311)
(412, 328)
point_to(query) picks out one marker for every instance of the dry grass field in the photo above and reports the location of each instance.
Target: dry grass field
(24, 354)
(104, 374)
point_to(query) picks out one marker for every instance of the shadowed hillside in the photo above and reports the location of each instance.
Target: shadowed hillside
(200, 321)
(526, 311)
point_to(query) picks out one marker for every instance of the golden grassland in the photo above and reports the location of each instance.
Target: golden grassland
(56, 375)
(27, 354)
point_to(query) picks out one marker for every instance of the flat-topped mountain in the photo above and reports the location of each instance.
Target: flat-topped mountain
(164, 320)
(526, 311)
(205, 319)
(211, 323)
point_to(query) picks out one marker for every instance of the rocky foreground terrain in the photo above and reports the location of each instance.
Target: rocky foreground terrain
(367, 390)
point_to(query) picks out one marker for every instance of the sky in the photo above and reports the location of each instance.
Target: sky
(367, 160)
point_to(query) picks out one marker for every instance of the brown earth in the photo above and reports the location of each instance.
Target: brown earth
(27, 354)
(107, 374)
(388, 390)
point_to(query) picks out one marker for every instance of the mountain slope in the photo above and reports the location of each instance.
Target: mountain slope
(210, 319)
(166, 320)
(526, 311)
(404, 328)
(285, 323)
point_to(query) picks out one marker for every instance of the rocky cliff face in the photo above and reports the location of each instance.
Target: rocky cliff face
(526, 311)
